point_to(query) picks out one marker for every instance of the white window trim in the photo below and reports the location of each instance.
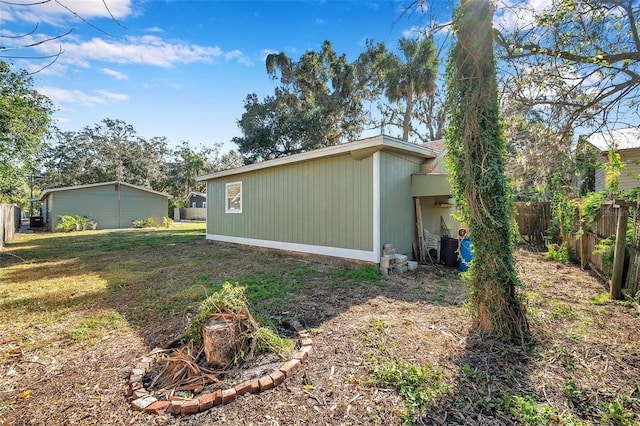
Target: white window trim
(204, 204)
(226, 197)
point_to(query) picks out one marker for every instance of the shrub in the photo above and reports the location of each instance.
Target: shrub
(559, 253)
(70, 223)
(167, 222)
(144, 223)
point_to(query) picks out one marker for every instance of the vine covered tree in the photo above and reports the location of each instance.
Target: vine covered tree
(476, 155)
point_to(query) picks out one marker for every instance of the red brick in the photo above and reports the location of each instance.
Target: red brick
(191, 406)
(242, 388)
(140, 392)
(136, 372)
(175, 407)
(209, 400)
(141, 403)
(228, 396)
(266, 382)
(255, 386)
(307, 342)
(278, 377)
(142, 366)
(132, 387)
(301, 356)
(157, 407)
(307, 349)
(290, 367)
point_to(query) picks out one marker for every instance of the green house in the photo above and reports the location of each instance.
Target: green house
(109, 204)
(344, 201)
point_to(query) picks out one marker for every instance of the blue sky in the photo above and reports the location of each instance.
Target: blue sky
(182, 68)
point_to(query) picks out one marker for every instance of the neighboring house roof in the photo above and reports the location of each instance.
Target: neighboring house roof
(438, 146)
(46, 192)
(196, 194)
(360, 149)
(618, 139)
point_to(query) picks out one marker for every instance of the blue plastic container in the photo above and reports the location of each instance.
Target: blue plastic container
(465, 254)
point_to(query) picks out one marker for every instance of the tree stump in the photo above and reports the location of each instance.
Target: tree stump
(224, 337)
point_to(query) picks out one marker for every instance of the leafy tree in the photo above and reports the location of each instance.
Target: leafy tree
(110, 150)
(530, 140)
(273, 129)
(319, 102)
(476, 153)
(411, 76)
(592, 46)
(25, 116)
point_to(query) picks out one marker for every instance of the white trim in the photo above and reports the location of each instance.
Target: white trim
(226, 197)
(362, 255)
(380, 142)
(92, 185)
(376, 207)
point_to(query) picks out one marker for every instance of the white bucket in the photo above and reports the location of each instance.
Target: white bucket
(413, 265)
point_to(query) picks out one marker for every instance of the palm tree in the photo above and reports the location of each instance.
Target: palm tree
(411, 77)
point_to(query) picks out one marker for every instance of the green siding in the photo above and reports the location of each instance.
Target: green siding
(429, 185)
(106, 206)
(431, 215)
(397, 207)
(325, 202)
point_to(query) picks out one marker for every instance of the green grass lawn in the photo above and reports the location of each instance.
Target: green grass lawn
(72, 288)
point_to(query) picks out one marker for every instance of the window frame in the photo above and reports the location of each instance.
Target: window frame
(226, 197)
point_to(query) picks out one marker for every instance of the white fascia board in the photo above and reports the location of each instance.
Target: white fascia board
(362, 255)
(93, 185)
(379, 141)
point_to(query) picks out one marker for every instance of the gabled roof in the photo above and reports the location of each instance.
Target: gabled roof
(359, 149)
(93, 185)
(618, 139)
(197, 194)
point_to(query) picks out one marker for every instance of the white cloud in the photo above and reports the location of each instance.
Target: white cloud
(113, 73)
(512, 14)
(62, 11)
(239, 56)
(144, 50)
(62, 96)
(121, 97)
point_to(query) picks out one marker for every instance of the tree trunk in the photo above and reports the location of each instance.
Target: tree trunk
(223, 337)
(477, 147)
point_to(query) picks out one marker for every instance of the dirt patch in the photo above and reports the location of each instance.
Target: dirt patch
(585, 357)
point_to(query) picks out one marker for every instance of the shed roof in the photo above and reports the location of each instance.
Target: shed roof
(361, 149)
(92, 185)
(617, 139)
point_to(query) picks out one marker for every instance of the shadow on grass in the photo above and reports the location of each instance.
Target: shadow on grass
(154, 278)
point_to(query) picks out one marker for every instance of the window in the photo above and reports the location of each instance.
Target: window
(204, 204)
(233, 197)
(194, 204)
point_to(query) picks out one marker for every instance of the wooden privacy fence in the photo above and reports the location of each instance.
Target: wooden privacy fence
(9, 222)
(593, 251)
(533, 219)
(593, 244)
(190, 213)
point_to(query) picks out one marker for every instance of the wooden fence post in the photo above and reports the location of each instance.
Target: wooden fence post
(619, 253)
(421, 253)
(584, 248)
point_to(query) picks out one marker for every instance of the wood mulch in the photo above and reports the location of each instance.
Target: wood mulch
(585, 354)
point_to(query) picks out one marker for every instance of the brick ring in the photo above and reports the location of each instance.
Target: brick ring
(142, 400)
